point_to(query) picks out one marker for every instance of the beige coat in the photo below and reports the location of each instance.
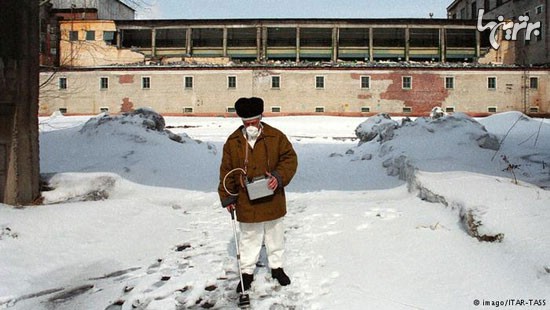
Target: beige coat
(272, 153)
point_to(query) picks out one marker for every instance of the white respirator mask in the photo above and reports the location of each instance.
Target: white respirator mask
(252, 132)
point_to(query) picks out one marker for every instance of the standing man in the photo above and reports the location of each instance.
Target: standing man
(257, 151)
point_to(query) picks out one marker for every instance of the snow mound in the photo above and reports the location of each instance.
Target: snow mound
(454, 127)
(507, 145)
(525, 144)
(451, 142)
(129, 122)
(381, 126)
(518, 129)
(504, 121)
(135, 146)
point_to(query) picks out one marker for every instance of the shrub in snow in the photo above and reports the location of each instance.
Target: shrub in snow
(381, 126)
(510, 167)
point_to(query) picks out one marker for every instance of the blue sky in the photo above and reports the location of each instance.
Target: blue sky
(214, 9)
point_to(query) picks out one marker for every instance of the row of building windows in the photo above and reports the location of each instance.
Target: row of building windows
(319, 109)
(366, 109)
(365, 82)
(90, 35)
(362, 42)
(280, 37)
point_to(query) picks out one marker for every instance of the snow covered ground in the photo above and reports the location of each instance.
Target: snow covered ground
(133, 220)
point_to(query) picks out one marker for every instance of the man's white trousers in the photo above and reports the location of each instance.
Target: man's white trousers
(253, 235)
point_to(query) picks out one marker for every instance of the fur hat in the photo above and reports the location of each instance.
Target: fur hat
(249, 108)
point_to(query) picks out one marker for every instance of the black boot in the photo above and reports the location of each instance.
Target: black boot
(247, 282)
(280, 275)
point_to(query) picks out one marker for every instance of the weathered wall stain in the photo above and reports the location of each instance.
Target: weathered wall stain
(127, 105)
(126, 79)
(356, 76)
(297, 92)
(364, 96)
(428, 90)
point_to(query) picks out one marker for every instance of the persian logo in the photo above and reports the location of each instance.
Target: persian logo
(510, 28)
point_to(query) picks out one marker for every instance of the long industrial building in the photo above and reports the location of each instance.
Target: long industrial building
(299, 66)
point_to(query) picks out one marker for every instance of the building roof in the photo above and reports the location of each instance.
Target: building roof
(291, 21)
(453, 4)
(58, 4)
(125, 4)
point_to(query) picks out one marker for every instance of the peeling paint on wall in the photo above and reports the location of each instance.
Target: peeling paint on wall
(364, 96)
(428, 90)
(127, 105)
(355, 76)
(126, 79)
